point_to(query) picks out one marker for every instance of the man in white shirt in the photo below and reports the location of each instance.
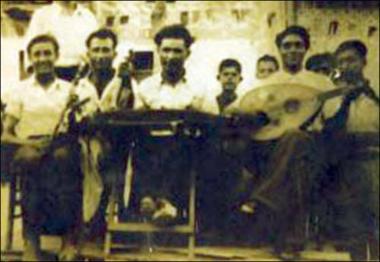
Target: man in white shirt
(160, 179)
(70, 23)
(284, 167)
(352, 142)
(48, 166)
(171, 88)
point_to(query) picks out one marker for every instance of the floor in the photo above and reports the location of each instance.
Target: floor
(93, 252)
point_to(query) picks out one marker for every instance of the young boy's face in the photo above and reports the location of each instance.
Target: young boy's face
(229, 78)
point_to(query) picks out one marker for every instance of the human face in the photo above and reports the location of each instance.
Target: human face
(173, 54)
(292, 50)
(101, 54)
(229, 78)
(349, 62)
(265, 69)
(43, 57)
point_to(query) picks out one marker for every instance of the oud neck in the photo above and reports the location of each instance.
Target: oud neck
(334, 93)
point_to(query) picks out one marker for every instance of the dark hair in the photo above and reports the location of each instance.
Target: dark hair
(268, 58)
(355, 44)
(174, 31)
(103, 33)
(43, 39)
(230, 63)
(318, 59)
(294, 30)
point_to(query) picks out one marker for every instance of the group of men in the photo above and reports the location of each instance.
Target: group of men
(271, 181)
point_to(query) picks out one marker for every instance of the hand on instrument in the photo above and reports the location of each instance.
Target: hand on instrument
(126, 68)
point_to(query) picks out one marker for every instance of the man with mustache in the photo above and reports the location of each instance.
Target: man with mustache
(162, 163)
(107, 91)
(48, 166)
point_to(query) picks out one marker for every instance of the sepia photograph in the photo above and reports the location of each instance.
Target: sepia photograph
(190, 130)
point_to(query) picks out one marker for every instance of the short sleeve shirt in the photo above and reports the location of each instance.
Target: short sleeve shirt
(153, 93)
(37, 110)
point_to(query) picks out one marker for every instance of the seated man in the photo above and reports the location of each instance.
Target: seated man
(46, 158)
(105, 156)
(284, 167)
(161, 164)
(265, 66)
(352, 144)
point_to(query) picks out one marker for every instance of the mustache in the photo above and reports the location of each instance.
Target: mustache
(174, 63)
(47, 63)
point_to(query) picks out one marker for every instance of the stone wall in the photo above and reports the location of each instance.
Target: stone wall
(243, 30)
(329, 26)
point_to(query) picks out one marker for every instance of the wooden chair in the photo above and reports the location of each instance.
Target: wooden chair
(13, 213)
(13, 180)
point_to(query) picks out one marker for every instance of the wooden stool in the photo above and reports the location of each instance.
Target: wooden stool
(185, 229)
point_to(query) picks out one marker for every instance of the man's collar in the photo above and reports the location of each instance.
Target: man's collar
(78, 10)
(35, 84)
(182, 80)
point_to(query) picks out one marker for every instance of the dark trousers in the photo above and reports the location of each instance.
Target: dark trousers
(51, 189)
(161, 170)
(222, 184)
(350, 190)
(287, 169)
(112, 167)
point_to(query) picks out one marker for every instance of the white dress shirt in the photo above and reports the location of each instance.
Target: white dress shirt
(153, 93)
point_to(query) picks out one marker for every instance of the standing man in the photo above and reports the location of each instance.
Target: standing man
(160, 177)
(286, 166)
(48, 166)
(70, 23)
(229, 77)
(265, 66)
(353, 139)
